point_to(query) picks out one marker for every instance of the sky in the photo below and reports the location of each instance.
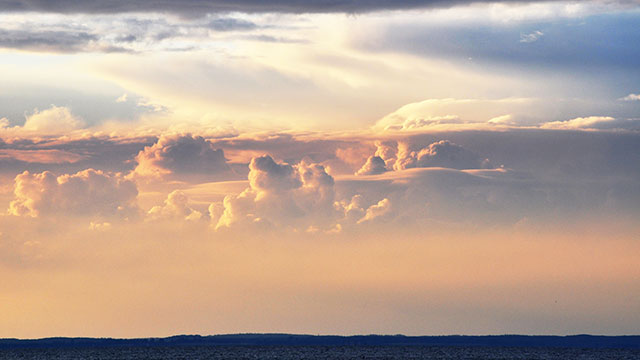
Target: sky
(320, 167)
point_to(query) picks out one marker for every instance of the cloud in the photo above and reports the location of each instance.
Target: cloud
(45, 156)
(503, 120)
(442, 153)
(375, 211)
(198, 7)
(451, 113)
(122, 98)
(374, 165)
(55, 120)
(531, 37)
(67, 153)
(631, 97)
(502, 36)
(282, 195)
(267, 176)
(439, 154)
(594, 123)
(100, 226)
(274, 39)
(231, 24)
(86, 193)
(174, 156)
(547, 173)
(418, 123)
(176, 206)
(127, 34)
(301, 197)
(58, 41)
(52, 122)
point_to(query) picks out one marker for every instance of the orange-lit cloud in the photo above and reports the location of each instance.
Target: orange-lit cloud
(179, 155)
(45, 156)
(176, 206)
(86, 193)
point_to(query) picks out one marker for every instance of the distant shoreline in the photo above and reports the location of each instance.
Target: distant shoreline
(572, 341)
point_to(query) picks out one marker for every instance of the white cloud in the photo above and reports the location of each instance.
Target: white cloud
(631, 97)
(503, 120)
(594, 123)
(56, 120)
(531, 37)
(450, 113)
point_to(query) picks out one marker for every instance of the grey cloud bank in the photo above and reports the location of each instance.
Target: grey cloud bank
(417, 179)
(198, 7)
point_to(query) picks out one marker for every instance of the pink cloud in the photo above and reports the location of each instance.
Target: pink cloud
(86, 193)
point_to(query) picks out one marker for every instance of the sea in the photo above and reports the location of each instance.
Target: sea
(197, 352)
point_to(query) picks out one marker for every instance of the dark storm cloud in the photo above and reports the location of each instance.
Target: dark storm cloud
(197, 7)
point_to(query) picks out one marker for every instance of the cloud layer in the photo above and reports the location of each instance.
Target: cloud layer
(197, 7)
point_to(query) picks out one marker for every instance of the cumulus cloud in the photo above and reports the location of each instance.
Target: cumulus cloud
(181, 155)
(352, 209)
(266, 176)
(594, 122)
(439, 154)
(425, 195)
(443, 153)
(300, 197)
(86, 193)
(56, 120)
(374, 211)
(176, 206)
(282, 194)
(374, 165)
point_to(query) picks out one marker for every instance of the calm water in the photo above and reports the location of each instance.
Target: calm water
(317, 352)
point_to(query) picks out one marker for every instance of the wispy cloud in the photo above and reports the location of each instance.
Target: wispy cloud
(195, 8)
(531, 37)
(63, 41)
(631, 97)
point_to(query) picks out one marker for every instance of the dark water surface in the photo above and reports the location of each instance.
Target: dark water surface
(317, 352)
